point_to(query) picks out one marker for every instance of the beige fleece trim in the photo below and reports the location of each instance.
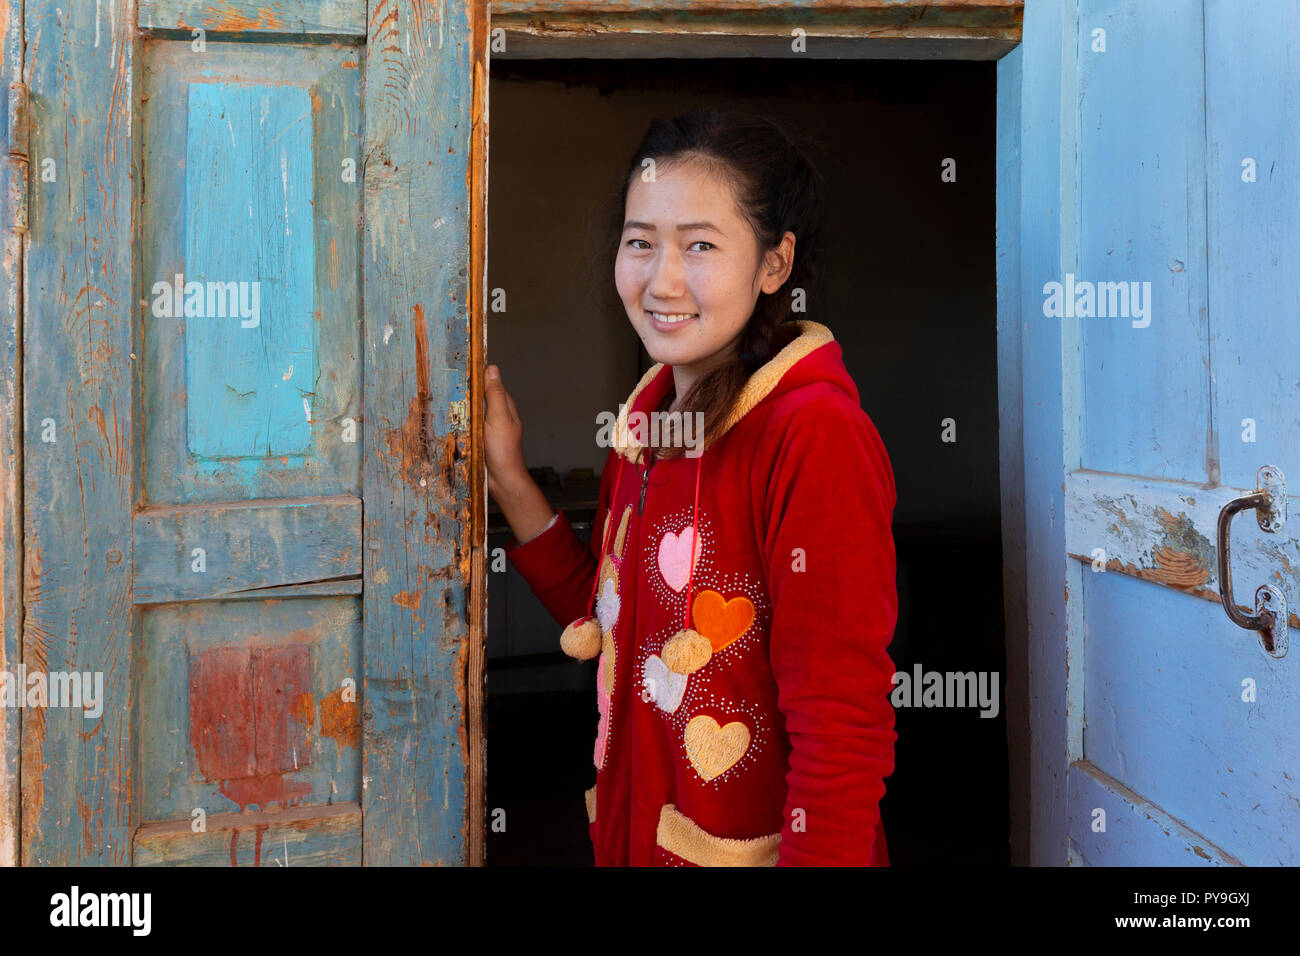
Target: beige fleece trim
(680, 835)
(812, 335)
(624, 443)
(590, 797)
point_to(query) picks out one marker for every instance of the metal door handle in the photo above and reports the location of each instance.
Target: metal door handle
(1270, 617)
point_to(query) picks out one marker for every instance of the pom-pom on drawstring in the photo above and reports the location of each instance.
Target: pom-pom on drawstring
(582, 638)
(688, 650)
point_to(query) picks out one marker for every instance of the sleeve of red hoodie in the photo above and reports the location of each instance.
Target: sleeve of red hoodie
(832, 497)
(559, 568)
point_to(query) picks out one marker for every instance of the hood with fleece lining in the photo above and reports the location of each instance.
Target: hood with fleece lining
(810, 355)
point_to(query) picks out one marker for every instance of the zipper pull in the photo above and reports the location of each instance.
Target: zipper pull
(645, 480)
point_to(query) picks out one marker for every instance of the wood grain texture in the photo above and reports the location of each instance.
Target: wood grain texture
(77, 795)
(418, 109)
(1137, 831)
(1254, 235)
(320, 836)
(902, 29)
(11, 555)
(847, 14)
(476, 665)
(246, 547)
(345, 17)
(1165, 532)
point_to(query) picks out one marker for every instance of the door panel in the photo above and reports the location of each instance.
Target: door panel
(246, 694)
(251, 387)
(202, 525)
(1170, 725)
(303, 546)
(1141, 208)
(1254, 236)
(245, 150)
(1165, 716)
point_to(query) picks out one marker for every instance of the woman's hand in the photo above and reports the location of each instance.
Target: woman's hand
(503, 438)
(516, 494)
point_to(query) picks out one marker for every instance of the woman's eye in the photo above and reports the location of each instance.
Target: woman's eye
(632, 243)
(703, 242)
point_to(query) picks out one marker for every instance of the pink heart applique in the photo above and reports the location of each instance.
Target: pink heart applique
(675, 558)
(602, 706)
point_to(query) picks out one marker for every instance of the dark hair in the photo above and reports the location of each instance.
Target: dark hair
(777, 190)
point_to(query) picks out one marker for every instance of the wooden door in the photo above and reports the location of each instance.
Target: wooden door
(1163, 733)
(247, 499)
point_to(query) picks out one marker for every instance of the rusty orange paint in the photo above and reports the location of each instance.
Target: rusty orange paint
(223, 16)
(304, 709)
(410, 445)
(340, 719)
(408, 599)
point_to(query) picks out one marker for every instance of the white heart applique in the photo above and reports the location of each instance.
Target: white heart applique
(607, 606)
(666, 688)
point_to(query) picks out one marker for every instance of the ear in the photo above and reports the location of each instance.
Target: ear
(778, 264)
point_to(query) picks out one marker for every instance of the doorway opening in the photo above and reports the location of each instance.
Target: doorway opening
(910, 295)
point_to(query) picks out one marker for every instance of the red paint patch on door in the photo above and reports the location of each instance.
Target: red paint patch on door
(222, 726)
(246, 726)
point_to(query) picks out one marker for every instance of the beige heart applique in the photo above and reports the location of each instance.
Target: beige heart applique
(712, 749)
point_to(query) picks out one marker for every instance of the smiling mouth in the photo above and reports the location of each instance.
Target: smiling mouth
(672, 318)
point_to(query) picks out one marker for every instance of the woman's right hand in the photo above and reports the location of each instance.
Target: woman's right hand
(503, 438)
(525, 507)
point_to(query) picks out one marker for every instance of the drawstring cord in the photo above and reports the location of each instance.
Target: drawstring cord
(695, 543)
(695, 540)
(609, 519)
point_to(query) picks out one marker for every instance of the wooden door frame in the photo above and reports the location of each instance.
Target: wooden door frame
(1043, 77)
(13, 170)
(890, 29)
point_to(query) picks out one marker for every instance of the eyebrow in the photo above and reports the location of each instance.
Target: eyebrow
(683, 227)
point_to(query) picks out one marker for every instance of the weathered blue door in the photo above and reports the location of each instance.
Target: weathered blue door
(246, 494)
(1157, 210)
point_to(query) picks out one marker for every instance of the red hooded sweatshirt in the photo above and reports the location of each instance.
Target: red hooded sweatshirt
(766, 738)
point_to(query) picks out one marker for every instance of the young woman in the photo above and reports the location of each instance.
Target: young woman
(740, 600)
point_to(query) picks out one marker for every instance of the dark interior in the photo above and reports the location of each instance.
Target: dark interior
(909, 293)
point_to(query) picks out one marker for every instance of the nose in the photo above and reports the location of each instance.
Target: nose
(668, 276)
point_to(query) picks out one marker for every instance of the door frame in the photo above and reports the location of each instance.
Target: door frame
(949, 29)
(13, 171)
(952, 29)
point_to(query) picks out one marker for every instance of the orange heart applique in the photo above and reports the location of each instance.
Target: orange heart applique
(720, 620)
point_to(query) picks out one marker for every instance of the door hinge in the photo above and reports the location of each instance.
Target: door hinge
(18, 178)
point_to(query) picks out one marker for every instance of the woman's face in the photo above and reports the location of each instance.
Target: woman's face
(688, 268)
